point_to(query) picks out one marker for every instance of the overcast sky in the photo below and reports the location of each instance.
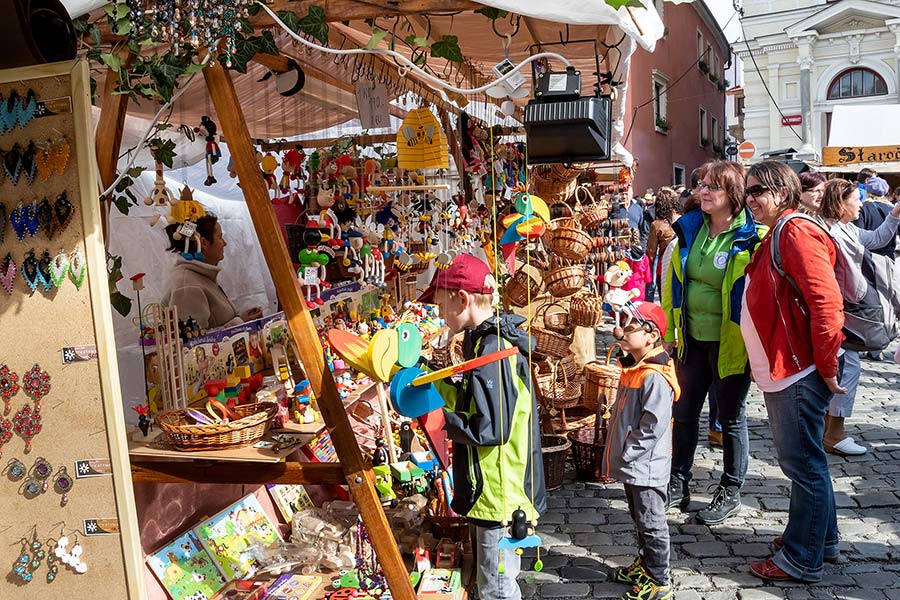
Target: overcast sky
(723, 11)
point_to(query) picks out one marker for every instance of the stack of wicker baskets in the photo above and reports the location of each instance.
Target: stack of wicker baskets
(560, 382)
(554, 183)
(524, 287)
(551, 331)
(601, 382)
(252, 423)
(586, 309)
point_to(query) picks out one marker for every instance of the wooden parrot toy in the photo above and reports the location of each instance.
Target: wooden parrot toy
(528, 223)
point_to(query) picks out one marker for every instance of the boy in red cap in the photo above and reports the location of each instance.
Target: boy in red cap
(491, 417)
(638, 445)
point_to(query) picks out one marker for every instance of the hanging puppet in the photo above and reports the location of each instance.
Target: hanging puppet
(312, 261)
(291, 167)
(213, 152)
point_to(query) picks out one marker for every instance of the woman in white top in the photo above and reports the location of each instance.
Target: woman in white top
(841, 205)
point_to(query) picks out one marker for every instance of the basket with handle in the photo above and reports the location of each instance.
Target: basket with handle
(588, 446)
(563, 281)
(561, 387)
(548, 343)
(554, 449)
(524, 287)
(553, 182)
(601, 382)
(586, 308)
(557, 321)
(592, 213)
(567, 239)
(252, 423)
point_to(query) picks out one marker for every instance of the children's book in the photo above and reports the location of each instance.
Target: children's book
(289, 499)
(186, 570)
(440, 584)
(294, 587)
(228, 535)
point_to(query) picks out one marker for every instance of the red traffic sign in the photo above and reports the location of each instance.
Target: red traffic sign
(747, 150)
(788, 120)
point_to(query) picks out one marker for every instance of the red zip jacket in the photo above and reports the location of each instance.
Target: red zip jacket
(797, 332)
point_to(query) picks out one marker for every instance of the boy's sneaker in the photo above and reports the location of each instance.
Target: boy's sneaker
(726, 502)
(629, 575)
(679, 493)
(648, 588)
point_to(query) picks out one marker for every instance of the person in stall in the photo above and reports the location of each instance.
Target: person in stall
(192, 285)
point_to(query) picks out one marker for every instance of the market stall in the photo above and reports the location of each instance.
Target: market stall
(298, 468)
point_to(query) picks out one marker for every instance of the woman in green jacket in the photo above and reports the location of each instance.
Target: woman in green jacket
(705, 287)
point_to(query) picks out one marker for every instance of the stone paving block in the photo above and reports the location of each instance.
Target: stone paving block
(688, 595)
(552, 518)
(694, 582)
(765, 593)
(875, 499)
(565, 590)
(877, 581)
(582, 528)
(551, 539)
(572, 551)
(582, 574)
(859, 595)
(587, 502)
(755, 550)
(736, 580)
(777, 503)
(705, 549)
(608, 590)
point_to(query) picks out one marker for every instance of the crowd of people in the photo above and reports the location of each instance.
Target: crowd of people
(754, 270)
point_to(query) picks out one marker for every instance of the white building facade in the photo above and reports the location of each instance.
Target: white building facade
(814, 55)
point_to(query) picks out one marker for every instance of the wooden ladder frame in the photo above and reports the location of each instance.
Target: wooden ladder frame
(351, 469)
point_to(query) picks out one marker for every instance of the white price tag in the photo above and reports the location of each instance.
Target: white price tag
(310, 275)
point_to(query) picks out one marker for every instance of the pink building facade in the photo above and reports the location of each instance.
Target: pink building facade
(679, 94)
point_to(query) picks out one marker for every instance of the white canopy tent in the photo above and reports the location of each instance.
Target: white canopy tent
(862, 126)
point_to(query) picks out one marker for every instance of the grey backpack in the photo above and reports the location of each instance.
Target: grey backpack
(872, 305)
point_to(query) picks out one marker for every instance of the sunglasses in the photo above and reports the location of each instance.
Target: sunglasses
(757, 190)
(710, 186)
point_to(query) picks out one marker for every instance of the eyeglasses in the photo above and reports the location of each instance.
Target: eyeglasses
(757, 190)
(709, 186)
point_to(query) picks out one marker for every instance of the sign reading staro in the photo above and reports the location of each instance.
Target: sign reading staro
(834, 156)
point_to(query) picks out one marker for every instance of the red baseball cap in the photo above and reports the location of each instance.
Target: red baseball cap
(648, 312)
(464, 273)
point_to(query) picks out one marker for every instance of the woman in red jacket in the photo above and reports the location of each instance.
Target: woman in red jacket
(792, 331)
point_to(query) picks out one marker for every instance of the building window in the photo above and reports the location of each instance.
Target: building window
(678, 174)
(700, 46)
(715, 133)
(739, 106)
(660, 115)
(857, 83)
(704, 131)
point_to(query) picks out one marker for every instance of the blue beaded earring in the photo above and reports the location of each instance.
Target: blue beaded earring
(30, 558)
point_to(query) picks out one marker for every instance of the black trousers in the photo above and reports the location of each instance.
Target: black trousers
(696, 373)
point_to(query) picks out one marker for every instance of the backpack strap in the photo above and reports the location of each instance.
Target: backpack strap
(775, 246)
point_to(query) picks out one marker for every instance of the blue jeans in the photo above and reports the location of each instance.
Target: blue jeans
(714, 424)
(797, 420)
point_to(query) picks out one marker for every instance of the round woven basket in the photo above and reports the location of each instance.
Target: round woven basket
(593, 212)
(554, 182)
(557, 321)
(601, 382)
(548, 342)
(523, 287)
(451, 354)
(588, 446)
(185, 436)
(566, 238)
(554, 449)
(562, 282)
(586, 309)
(561, 387)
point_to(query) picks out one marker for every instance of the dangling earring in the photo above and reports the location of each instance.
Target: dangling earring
(70, 558)
(37, 484)
(58, 268)
(15, 469)
(9, 386)
(8, 273)
(62, 483)
(27, 422)
(30, 559)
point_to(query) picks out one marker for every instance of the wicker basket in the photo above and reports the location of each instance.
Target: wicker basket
(561, 387)
(586, 309)
(248, 429)
(566, 238)
(594, 212)
(558, 321)
(548, 343)
(554, 449)
(523, 287)
(601, 382)
(588, 445)
(562, 282)
(554, 182)
(451, 354)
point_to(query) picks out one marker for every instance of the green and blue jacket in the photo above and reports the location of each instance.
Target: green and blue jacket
(732, 352)
(491, 417)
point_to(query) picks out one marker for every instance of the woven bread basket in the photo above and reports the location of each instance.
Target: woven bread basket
(562, 385)
(566, 238)
(601, 382)
(252, 424)
(586, 309)
(562, 282)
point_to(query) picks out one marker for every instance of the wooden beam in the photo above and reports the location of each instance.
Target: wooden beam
(245, 473)
(358, 472)
(109, 130)
(352, 10)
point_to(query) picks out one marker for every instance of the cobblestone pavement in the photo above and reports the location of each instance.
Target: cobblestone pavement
(587, 530)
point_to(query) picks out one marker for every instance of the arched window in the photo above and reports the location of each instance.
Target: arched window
(857, 83)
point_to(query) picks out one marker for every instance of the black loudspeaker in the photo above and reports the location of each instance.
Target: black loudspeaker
(34, 32)
(568, 131)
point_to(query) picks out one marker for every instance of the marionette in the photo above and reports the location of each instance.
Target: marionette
(312, 266)
(616, 276)
(213, 152)
(291, 165)
(268, 164)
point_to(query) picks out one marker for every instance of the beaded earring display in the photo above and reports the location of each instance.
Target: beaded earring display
(12, 163)
(30, 558)
(32, 272)
(77, 267)
(8, 274)
(63, 483)
(29, 162)
(27, 422)
(9, 386)
(18, 218)
(44, 264)
(58, 268)
(15, 469)
(63, 210)
(8, 112)
(39, 480)
(70, 558)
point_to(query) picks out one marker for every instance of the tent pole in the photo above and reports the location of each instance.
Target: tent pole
(359, 474)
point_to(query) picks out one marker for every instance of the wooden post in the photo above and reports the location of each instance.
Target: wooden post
(109, 132)
(359, 474)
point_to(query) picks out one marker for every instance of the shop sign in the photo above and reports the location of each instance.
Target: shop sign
(100, 526)
(850, 155)
(789, 120)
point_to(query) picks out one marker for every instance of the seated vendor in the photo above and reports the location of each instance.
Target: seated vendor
(192, 285)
